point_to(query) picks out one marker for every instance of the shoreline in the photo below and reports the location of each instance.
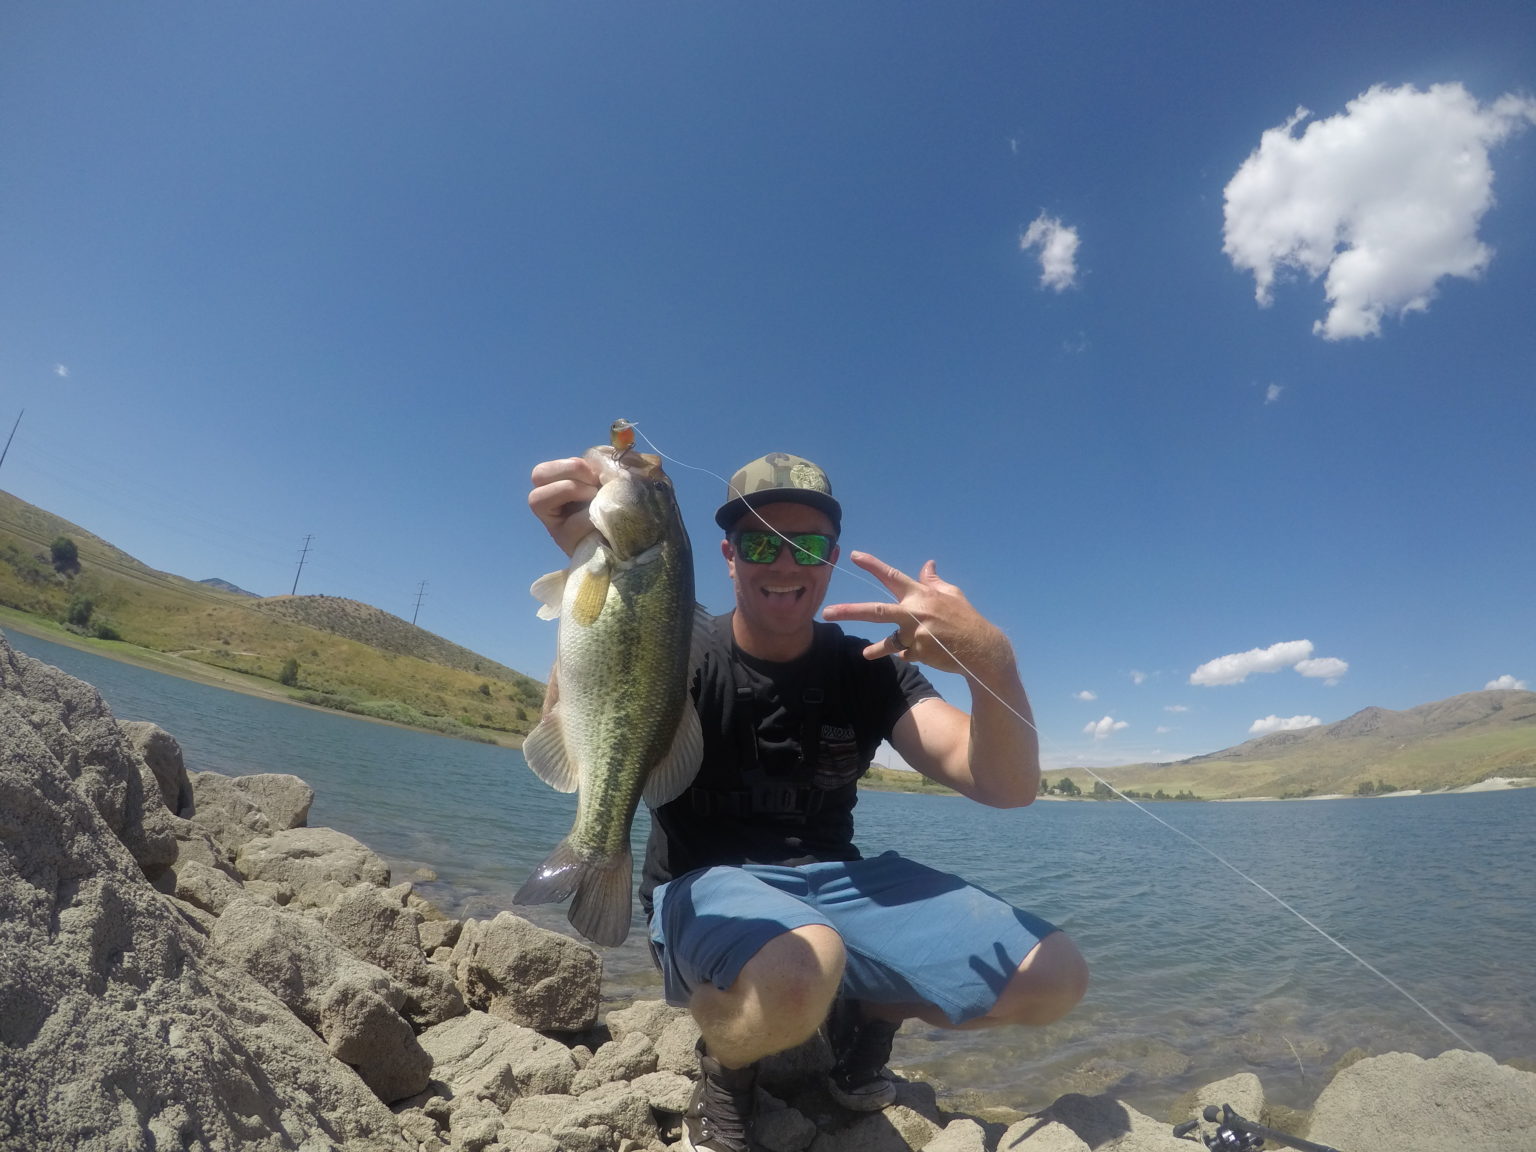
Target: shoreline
(208, 675)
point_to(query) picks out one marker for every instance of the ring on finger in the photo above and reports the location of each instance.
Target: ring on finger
(901, 642)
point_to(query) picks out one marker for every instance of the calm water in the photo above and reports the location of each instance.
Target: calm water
(1196, 973)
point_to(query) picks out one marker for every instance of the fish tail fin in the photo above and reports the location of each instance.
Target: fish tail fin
(553, 880)
(602, 909)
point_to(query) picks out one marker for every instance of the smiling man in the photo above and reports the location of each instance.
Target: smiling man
(764, 918)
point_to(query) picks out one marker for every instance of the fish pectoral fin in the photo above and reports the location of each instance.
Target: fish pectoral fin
(591, 594)
(677, 769)
(549, 589)
(544, 749)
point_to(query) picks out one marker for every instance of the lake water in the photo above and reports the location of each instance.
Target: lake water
(1196, 973)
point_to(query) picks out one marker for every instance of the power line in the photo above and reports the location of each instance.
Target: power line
(421, 591)
(12, 436)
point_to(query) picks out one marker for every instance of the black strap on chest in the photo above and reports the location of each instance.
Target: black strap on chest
(762, 793)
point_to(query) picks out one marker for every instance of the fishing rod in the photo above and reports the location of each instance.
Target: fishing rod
(1239, 1135)
(629, 428)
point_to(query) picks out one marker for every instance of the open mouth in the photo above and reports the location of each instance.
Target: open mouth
(784, 592)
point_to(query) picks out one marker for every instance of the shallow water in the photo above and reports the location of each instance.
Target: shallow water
(1197, 974)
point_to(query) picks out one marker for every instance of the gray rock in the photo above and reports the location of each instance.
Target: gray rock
(676, 1047)
(206, 888)
(1101, 1123)
(319, 864)
(624, 1059)
(236, 809)
(480, 1055)
(1459, 1100)
(1243, 1092)
(648, 1017)
(528, 975)
(666, 1091)
(375, 925)
(196, 844)
(161, 754)
(118, 1028)
(897, 1129)
(783, 1129)
(435, 934)
(959, 1136)
(351, 1004)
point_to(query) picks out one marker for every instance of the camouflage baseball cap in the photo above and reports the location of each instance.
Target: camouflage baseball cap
(778, 478)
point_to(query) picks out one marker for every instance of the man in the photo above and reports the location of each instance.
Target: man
(763, 917)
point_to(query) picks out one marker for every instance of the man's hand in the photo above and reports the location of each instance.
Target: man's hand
(562, 489)
(934, 623)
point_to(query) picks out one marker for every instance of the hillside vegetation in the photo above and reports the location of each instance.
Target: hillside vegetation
(314, 649)
(1447, 744)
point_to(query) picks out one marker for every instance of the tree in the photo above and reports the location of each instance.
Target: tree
(1067, 788)
(1101, 790)
(66, 557)
(289, 676)
(80, 609)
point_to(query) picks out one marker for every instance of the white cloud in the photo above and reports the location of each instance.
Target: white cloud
(1162, 729)
(1277, 724)
(1085, 695)
(1272, 393)
(1138, 677)
(1238, 666)
(1175, 708)
(61, 370)
(1384, 198)
(1100, 729)
(1057, 245)
(1328, 669)
(1504, 681)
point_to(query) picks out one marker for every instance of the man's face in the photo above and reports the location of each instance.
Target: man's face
(780, 599)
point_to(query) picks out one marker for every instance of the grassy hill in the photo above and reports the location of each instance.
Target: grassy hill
(1447, 744)
(314, 649)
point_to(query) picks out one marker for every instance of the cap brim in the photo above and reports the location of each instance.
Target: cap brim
(730, 513)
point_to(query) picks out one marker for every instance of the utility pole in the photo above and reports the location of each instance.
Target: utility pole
(421, 590)
(302, 554)
(12, 436)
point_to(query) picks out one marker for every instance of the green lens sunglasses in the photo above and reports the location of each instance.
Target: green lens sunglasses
(764, 547)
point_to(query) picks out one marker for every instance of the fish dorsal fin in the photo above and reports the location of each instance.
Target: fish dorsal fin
(549, 589)
(544, 749)
(703, 624)
(681, 764)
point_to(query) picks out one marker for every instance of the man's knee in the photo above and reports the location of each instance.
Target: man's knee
(1049, 983)
(798, 971)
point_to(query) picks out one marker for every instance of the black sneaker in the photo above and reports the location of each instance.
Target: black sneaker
(721, 1110)
(860, 1049)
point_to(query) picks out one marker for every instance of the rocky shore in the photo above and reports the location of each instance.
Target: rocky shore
(184, 964)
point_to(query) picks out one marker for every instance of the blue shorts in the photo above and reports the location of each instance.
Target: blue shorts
(911, 933)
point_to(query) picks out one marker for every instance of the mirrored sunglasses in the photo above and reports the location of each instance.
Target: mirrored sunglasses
(763, 547)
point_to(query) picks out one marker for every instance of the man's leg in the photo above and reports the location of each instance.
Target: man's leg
(778, 1000)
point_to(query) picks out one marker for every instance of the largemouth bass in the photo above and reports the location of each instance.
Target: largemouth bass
(618, 721)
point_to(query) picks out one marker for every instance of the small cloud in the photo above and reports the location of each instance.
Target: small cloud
(61, 371)
(1057, 245)
(1175, 708)
(1504, 681)
(1237, 667)
(1162, 729)
(1382, 201)
(1328, 669)
(1101, 729)
(1276, 724)
(1138, 677)
(1272, 393)
(1085, 695)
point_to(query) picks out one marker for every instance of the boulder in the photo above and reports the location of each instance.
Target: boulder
(528, 975)
(118, 1028)
(319, 864)
(1102, 1123)
(480, 1055)
(624, 1059)
(959, 1136)
(375, 925)
(351, 1004)
(1460, 1100)
(158, 750)
(235, 809)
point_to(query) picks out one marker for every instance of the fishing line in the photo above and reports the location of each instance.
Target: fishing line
(1207, 849)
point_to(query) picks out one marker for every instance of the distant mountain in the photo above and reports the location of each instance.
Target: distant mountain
(1445, 744)
(226, 586)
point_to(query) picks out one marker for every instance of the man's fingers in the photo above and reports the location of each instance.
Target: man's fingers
(877, 612)
(894, 579)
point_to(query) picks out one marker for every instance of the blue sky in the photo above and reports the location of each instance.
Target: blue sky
(349, 271)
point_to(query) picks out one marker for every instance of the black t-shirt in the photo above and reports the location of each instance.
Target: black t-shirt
(784, 745)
